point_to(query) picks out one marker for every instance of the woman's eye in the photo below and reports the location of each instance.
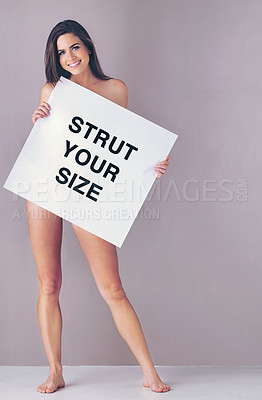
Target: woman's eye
(62, 52)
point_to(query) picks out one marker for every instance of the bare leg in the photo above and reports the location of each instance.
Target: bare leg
(45, 230)
(102, 258)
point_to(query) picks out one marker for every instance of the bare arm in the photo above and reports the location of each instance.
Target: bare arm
(43, 110)
(119, 93)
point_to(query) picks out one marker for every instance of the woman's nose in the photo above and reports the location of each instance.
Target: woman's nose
(70, 56)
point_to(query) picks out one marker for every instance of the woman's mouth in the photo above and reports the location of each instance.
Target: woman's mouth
(74, 65)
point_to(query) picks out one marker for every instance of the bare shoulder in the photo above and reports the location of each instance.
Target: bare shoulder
(46, 92)
(117, 92)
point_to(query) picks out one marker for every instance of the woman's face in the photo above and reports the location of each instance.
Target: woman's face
(72, 53)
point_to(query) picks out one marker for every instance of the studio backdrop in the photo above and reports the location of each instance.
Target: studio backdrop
(191, 263)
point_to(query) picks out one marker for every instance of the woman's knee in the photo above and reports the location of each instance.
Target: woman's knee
(50, 285)
(113, 293)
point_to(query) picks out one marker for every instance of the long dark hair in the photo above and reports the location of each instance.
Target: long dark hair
(53, 69)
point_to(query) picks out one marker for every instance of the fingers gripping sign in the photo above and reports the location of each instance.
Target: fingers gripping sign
(41, 112)
(161, 167)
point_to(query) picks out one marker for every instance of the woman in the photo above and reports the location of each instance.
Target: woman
(70, 52)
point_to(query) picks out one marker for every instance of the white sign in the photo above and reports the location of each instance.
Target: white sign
(91, 161)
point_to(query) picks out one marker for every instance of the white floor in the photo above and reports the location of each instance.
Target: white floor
(125, 383)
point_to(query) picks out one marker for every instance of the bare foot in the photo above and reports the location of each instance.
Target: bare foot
(154, 383)
(53, 382)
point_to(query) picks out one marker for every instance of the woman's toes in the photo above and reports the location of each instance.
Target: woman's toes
(156, 388)
(160, 388)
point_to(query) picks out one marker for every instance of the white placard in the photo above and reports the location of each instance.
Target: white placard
(91, 161)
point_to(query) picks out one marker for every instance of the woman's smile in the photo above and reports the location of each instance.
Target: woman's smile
(75, 65)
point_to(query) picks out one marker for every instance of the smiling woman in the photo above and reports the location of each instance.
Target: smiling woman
(71, 53)
(68, 46)
(76, 56)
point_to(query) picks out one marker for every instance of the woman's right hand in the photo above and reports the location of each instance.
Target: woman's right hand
(41, 112)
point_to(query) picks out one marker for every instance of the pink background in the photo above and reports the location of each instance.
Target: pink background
(192, 272)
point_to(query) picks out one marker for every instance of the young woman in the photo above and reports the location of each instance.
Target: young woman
(70, 52)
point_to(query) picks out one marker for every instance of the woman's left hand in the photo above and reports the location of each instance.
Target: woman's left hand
(161, 167)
